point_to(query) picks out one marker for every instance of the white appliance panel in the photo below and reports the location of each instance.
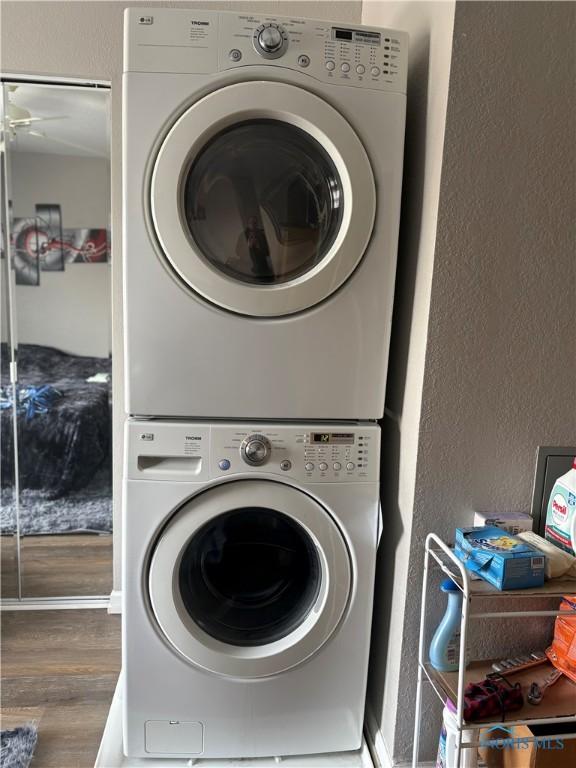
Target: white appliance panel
(316, 706)
(189, 357)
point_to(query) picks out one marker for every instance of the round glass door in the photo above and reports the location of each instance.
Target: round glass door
(262, 199)
(263, 202)
(249, 578)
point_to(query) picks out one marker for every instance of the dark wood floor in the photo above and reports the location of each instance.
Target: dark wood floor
(58, 566)
(60, 668)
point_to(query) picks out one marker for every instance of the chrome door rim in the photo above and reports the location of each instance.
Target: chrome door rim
(199, 648)
(225, 108)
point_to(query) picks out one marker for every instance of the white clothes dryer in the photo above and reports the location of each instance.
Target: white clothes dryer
(249, 559)
(262, 167)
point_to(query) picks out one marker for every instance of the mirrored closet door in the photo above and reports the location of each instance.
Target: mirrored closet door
(9, 550)
(56, 423)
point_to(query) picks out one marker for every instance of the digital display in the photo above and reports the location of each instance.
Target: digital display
(357, 36)
(373, 38)
(332, 437)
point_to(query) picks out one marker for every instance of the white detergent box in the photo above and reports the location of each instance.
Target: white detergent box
(500, 558)
(513, 522)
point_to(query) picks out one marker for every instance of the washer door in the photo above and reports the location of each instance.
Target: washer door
(262, 198)
(249, 578)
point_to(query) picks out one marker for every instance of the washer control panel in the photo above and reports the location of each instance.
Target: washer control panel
(195, 41)
(313, 453)
(199, 451)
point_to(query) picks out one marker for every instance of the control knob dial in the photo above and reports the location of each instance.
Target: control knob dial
(270, 40)
(255, 450)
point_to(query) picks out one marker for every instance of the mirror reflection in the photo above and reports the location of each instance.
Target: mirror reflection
(56, 146)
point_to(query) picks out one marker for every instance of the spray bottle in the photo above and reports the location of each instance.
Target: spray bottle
(445, 646)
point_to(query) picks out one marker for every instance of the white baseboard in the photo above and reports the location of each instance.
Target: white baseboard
(376, 743)
(115, 605)
(54, 603)
(379, 750)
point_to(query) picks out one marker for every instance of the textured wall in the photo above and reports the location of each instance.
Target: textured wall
(500, 361)
(84, 39)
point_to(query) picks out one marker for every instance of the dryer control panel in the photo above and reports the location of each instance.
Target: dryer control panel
(309, 453)
(202, 42)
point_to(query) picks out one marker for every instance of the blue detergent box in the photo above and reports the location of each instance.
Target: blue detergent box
(500, 558)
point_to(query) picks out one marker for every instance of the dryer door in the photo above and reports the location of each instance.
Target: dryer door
(262, 198)
(249, 578)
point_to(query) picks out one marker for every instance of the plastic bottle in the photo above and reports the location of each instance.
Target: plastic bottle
(561, 512)
(445, 646)
(447, 744)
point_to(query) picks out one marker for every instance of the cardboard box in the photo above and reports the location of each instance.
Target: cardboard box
(513, 522)
(500, 558)
(548, 754)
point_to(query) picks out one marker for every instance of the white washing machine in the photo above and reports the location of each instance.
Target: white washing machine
(262, 163)
(249, 558)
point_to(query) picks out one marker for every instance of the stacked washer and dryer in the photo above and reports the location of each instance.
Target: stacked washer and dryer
(262, 162)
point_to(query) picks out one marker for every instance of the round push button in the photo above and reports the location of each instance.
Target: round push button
(330, 66)
(323, 466)
(309, 466)
(304, 61)
(345, 67)
(235, 55)
(224, 464)
(375, 71)
(360, 69)
(337, 466)
(350, 466)
(285, 465)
